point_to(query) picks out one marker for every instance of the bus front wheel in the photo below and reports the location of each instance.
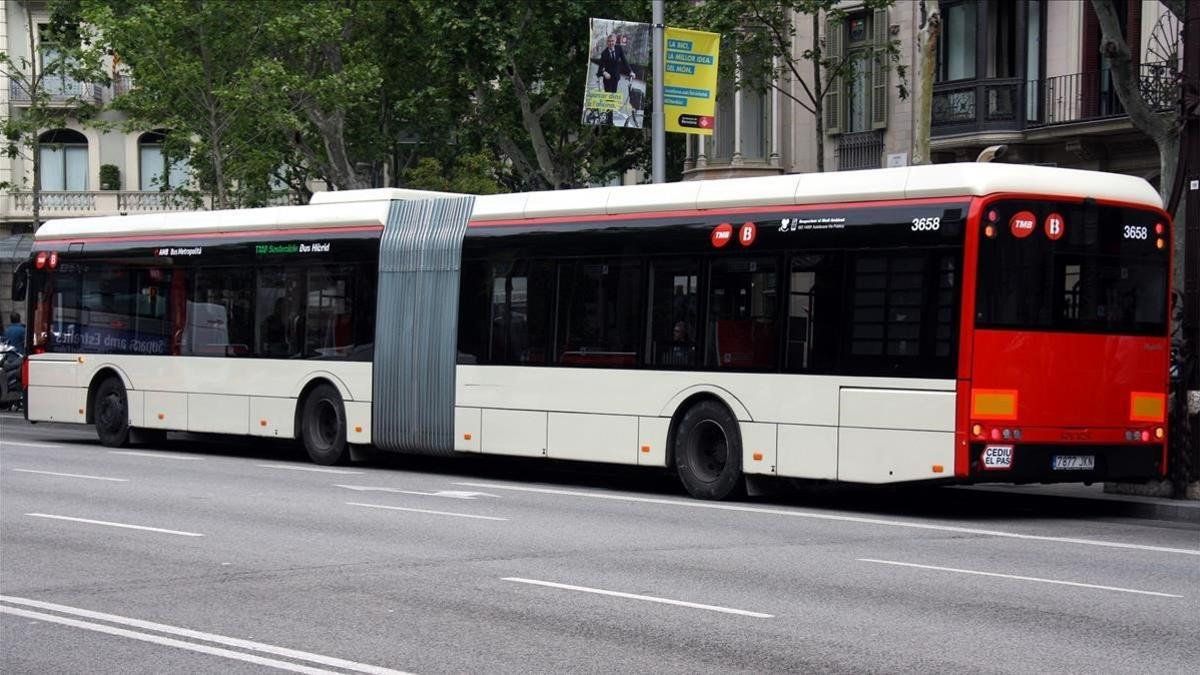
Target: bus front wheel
(110, 412)
(323, 426)
(708, 451)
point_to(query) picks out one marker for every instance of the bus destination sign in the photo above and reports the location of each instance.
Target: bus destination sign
(292, 248)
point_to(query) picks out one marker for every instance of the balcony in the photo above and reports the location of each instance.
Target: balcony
(59, 93)
(18, 206)
(122, 84)
(978, 106)
(1084, 97)
(1013, 106)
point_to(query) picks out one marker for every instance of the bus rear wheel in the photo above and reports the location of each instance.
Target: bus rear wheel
(708, 451)
(323, 426)
(110, 413)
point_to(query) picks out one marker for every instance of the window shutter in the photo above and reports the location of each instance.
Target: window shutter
(880, 71)
(833, 99)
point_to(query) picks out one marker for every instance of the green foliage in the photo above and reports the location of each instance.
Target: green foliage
(755, 31)
(522, 65)
(470, 174)
(110, 176)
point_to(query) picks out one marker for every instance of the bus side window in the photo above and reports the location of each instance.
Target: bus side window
(814, 312)
(743, 314)
(674, 298)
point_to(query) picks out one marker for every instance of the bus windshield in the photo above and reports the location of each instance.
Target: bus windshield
(1072, 267)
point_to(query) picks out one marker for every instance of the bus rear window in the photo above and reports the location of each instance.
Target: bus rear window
(1059, 266)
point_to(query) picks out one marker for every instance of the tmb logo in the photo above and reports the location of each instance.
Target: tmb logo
(721, 235)
(1023, 224)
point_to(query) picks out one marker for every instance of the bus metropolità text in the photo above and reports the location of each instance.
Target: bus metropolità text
(966, 322)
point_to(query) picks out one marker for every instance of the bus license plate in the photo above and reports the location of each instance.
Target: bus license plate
(1073, 463)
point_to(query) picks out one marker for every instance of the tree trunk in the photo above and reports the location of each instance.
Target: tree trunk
(332, 127)
(36, 143)
(819, 98)
(927, 39)
(1160, 127)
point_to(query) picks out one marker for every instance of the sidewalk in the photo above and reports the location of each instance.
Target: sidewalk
(1094, 496)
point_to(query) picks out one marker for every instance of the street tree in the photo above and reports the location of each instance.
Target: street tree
(523, 65)
(1158, 117)
(927, 42)
(53, 81)
(190, 64)
(759, 35)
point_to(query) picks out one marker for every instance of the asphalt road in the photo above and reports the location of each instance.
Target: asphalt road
(219, 555)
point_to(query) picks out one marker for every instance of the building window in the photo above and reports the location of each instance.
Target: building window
(858, 97)
(156, 170)
(63, 158)
(957, 46)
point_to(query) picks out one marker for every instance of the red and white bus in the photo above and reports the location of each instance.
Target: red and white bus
(958, 323)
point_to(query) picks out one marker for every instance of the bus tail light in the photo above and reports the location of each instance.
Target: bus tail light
(1159, 433)
(1145, 436)
(25, 374)
(977, 430)
(1147, 406)
(40, 261)
(994, 404)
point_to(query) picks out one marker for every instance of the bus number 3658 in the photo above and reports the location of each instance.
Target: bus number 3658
(926, 224)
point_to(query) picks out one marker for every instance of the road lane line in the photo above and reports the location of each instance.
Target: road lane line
(122, 525)
(321, 659)
(29, 445)
(696, 504)
(73, 475)
(1018, 577)
(155, 455)
(647, 598)
(168, 642)
(436, 513)
(314, 469)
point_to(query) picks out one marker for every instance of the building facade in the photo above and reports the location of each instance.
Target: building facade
(1024, 73)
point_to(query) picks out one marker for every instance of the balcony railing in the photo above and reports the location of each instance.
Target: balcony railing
(993, 104)
(1081, 97)
(122, 84)
(73, 203)
(59, 92)
(862, 150)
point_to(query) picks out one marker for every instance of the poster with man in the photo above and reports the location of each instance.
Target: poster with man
(618, 65)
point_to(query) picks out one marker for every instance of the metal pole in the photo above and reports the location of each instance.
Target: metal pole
(1190, 165)
(658, 143)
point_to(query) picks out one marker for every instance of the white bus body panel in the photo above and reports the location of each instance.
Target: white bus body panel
(594, 438)
(890, 435)
(188, 393)
(514, 432)
(795, 422)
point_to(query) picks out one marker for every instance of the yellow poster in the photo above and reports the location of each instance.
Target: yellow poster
(690, 83)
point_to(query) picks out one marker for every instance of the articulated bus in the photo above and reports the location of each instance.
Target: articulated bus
(955, 323)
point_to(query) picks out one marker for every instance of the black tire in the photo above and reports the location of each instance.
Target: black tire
(708, 451)
(110, 413)
(323, 426)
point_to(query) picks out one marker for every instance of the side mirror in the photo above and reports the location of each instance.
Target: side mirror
(20, 282)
